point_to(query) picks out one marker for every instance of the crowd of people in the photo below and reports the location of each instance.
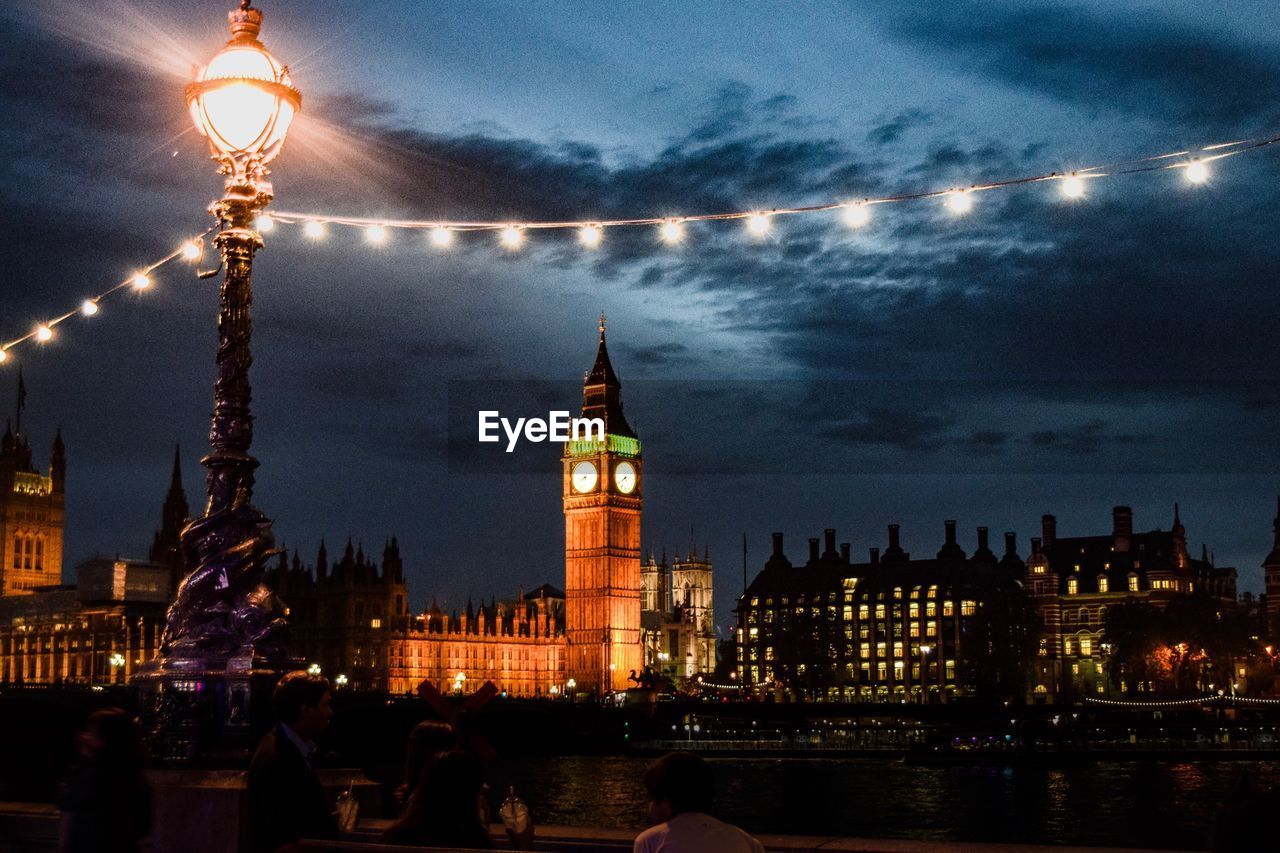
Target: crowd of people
(443, 798)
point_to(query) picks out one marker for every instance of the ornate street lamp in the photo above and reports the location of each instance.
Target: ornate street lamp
(225, 629)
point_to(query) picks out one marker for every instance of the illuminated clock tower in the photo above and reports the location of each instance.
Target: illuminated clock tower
(603, 488)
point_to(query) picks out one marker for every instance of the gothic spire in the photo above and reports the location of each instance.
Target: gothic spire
(602, 392)
(1273, 559)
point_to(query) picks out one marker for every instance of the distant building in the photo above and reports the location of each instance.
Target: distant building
(344, 618)
(519, 645)
(892, 629)
(1271, 575)
(1073, 580)
(31, 515)
(166, 546)
(677, 616)
(97, 631)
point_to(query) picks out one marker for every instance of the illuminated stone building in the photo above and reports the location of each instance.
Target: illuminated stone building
(31, 515)
(891, 629)
(344, 618)
(677, 617)
(584, 640)
(519, 645)
(1073, 580)
(96, 631)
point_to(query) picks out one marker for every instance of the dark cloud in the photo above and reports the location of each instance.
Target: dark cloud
(1134, 64)
(892, 130)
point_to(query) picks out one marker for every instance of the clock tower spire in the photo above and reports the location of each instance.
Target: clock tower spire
(602, 489)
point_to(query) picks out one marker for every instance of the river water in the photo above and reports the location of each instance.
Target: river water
(1120, 804)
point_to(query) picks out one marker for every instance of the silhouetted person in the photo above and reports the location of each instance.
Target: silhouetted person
(428, 741)
(448, 808)
(106, 801)
(286, 801)
(681, 792)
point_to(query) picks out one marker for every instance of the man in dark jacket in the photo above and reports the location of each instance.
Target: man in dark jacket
(286, 801)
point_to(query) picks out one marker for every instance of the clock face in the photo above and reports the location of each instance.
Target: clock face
(625, 476)
(584, 477)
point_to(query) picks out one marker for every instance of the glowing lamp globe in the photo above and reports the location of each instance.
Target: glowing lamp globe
(243, 101)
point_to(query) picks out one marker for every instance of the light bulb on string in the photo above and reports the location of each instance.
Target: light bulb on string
(314, 229)
(1197, 172)
(441, 236)
(44, 333)
(857, 214)
(263, 223)
(758, 224)
(89, 307)
(511, 237)
(960, 201)
(191, 250)
(140, 281)
(672, 231)
(1073, 186)
(375, 234)
(590, 235)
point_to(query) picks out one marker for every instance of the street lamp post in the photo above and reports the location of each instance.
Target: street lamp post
(225, 629)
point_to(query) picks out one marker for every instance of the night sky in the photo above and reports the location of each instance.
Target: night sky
(1035, 356)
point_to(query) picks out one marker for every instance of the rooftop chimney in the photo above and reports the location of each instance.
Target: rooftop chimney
(950, 525)
(777, 545)
(875, 556)
(1035, 546)
(1011, 544)
(1122, 527)
(813, 550)
(844, 552)
(982, 539)
(829, 543)
(1048, 529)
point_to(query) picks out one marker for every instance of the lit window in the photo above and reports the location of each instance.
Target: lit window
(914, 609)
(931, 628)
(1103, 585)
(933, 592)
(931, 609)
(864, 612)
(915, 629)
(897, 650)
(951, 670)
(968, 608)
(947, 609)
(1073, 586)
(375, 623)
(1066, 645)
(1086, 646)
(879, 611)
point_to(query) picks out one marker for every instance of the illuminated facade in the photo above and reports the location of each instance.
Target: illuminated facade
(97, 631)
(603, 489)
(1073, 580)
(519, 645)
(892, 629)
(677, 616)
(31, 515)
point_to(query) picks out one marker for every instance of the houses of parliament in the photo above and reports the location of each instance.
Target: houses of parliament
(612, 620)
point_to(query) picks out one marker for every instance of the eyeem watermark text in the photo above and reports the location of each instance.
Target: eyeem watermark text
(558, 427)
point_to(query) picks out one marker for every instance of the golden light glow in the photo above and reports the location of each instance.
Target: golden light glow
(44, 333)
(590, 235)
(191, 250)
(1073, 186)
(243, 101)
(314, 229)
(263, 223)
(672, 231)
(88, 308)
(758, 224)
(959, 201)
(1197, 172)
(375, 234)
(140, 281)
(857, 215)
(4, 355)
(441, 236)
(511, 237)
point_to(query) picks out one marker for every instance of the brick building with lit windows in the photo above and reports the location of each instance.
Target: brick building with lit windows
(1073, 580)
(891, 629)
(32, 507)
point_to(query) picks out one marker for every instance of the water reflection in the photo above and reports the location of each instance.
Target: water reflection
(1138, 804)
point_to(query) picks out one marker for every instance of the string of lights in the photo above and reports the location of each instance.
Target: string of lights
(855, 213)
(1170, 703)
(189, 250)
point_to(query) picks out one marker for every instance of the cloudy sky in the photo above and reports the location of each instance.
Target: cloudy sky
(1034, 356)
